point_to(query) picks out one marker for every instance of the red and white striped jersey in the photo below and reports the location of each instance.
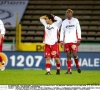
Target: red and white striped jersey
(51, 31)
(2, 29)
(70, 31)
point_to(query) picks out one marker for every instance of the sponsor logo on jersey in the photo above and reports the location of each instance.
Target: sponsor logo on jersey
(49, 28)
(68, 26)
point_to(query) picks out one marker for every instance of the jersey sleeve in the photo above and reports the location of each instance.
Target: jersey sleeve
(58, 21)
(2, 28)
(43, 22)
(78, 28)
(62, 33)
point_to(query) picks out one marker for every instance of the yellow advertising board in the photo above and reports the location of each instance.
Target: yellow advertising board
(34, 47)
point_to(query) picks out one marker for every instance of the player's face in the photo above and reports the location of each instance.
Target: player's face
(69, 14)
(47, 20)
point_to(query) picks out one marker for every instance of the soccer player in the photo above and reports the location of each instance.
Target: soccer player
(51, 34)
(2, 33)
(70, 38)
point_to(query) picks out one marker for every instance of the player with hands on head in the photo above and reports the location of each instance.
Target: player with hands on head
(52, 24)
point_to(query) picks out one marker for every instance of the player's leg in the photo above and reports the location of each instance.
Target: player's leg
(74, 51)
(76, 62)
(1, 60)
(1, 43)
(68, 62)
(48, 57)
(55, 53)
(48, 65)
(57, 60)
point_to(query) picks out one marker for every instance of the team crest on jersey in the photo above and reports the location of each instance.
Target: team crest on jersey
(53, 52)
(73, 47)
(3, 61)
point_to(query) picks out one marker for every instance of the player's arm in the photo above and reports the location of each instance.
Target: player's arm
(58, 20)
(42, 20)
(62, 35)
(78, 28)
(2, 30)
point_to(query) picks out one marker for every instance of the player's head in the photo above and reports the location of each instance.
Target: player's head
(69, 13)
(49, 19)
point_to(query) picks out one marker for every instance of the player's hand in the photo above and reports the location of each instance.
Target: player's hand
(43, 41)
(78, 42)
(43, 17)
(53, 15)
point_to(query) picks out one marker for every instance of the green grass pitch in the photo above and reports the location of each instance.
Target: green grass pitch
(38, 77)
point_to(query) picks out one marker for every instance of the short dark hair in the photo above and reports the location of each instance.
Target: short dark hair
(50, 17)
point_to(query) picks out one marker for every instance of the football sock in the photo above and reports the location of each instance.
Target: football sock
(48, 67)
(69, 65)
(58, 67)
(76, 62)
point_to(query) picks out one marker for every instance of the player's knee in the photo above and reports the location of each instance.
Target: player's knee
(68, 56)
(57, 60)
(76, 57)
(48, 59)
